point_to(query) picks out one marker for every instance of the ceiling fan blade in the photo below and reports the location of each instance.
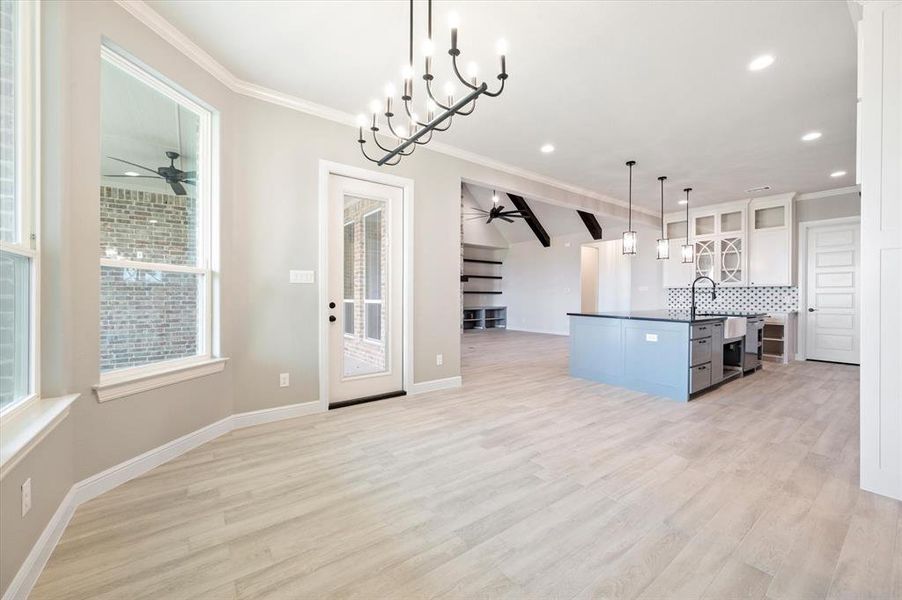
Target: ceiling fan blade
(154, 171)
(190, 182)
(189, 174)
(506, 219)
(135, 176)
(178, 188)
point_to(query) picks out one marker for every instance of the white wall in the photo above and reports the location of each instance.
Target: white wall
(541, 285)
(476, 231)
(646, 274)
(614, 276)
(880, 146)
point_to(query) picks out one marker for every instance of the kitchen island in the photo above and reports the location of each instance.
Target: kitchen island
(668, 353)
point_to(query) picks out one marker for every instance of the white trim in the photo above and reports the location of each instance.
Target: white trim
(115, 385)
(32, 421)
(27, 170)
(30, 570)
(434, 385)
(279, 413)
(207, 204)
(802, 277)
(166, 30)
(327, 168)
(123, 263)
(543, 331)
(88, 489)
(852, 189)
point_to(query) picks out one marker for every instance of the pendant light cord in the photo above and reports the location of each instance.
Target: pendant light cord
(662, 206)
(630, 225)
(430, 20)
(410, 46)
(687, 215)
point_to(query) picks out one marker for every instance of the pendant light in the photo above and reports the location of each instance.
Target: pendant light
(687, 250)
(629, 236)
(663, 243)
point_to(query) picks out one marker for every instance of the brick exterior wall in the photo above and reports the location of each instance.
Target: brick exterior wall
(147, 316)
(7, 200)
(357, 346)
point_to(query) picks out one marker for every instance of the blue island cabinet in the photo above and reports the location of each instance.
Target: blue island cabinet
(649, 356)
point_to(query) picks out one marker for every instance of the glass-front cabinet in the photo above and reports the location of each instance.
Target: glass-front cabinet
(742, 243)
(719, 235)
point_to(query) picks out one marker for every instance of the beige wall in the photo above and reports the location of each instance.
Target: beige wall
(269, 184)
(830, 207)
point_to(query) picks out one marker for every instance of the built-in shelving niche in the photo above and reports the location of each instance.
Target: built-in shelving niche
(481, 287)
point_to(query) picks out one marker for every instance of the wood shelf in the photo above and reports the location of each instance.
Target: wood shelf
(481, 276)
(484, 262)
(478, 292)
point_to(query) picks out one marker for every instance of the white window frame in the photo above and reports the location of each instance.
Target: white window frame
(27, 191)
(366, 301)
(207, 233)
(352, 301)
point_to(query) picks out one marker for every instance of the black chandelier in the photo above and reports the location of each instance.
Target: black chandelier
(417, 132)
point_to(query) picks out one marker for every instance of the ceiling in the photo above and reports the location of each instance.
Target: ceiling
(556, 220)
(665, 83)
(139, 125)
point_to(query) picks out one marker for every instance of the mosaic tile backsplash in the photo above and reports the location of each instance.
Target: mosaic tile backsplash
(764, 299)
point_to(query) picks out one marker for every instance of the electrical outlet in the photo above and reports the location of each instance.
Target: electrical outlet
(26, 496)
(283, 380)
(439, 359)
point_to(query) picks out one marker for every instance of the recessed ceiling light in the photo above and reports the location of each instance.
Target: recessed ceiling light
(811, 136)
(837, 173)
(547, 149)
(683, 202)
(760, 188)
(761, 62)
(130, 174)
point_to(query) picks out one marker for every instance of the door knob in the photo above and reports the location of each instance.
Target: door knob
(331, 318)
(812, 309)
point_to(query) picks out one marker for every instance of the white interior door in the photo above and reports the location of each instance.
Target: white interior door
(832, 304)
(365, 289)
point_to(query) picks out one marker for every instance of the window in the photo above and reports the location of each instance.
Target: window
(155, 223)
(19, 259)
(349, 274)
(372, 226)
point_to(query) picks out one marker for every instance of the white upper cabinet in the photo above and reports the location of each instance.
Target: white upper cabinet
(676, 273)
(745, 243)
(719, 235)
(770, 241)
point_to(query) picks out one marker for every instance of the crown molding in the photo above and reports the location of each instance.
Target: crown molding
(852, 189)
(166, 30)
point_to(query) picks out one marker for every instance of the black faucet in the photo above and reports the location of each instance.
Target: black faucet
(713, 291)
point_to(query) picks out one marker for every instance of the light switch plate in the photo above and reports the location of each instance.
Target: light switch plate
(26, 496)
(300, 276)
(284, 380)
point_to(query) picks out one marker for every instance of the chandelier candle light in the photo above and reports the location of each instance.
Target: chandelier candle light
(687, 250)
(629, 236)
(417, 132)
(663, 243)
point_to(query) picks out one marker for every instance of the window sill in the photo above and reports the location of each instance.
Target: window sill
(27, 426)
(131, 384)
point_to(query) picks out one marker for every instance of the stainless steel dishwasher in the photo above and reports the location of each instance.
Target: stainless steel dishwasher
(754, 342)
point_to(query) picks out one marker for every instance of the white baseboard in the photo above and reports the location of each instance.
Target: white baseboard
(435, 384)
(279, 413)
(546, 332)
(88, 489)
(27, 576)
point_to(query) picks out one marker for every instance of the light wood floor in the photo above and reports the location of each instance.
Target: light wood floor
(525, 483)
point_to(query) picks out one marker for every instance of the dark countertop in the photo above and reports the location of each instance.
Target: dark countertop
(730, 313)
(674, 316)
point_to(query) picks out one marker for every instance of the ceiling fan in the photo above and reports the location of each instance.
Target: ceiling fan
(497, 212)
(173, 176)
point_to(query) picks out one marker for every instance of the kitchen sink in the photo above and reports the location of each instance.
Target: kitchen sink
(734, 327)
